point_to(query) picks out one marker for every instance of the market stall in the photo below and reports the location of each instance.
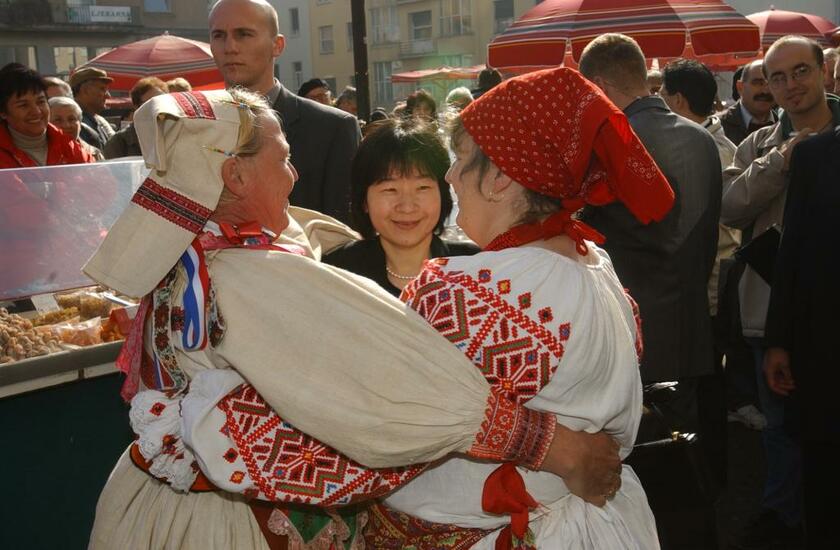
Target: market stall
(64, 423)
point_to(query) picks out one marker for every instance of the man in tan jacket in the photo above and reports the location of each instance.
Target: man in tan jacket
(755, 188)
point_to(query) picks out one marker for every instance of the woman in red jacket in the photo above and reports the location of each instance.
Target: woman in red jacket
(39, 212)
(26, 136)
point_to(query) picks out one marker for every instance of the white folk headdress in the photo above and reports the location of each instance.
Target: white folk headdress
(185, 137)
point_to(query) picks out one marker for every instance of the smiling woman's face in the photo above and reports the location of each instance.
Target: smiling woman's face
(67, 120)
(404, 209)
(27, 113)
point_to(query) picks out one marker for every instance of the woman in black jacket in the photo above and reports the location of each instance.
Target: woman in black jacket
(399, 201)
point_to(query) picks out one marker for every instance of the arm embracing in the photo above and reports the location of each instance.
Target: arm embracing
(348, 364)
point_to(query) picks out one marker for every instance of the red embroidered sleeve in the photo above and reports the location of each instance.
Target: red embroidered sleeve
(285, 465)
(513, 433)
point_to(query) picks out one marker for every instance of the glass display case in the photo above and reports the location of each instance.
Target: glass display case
(55, 324)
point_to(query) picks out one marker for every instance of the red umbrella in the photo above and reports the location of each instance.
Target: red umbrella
(163, 56)
(663, 29)
(775, 24)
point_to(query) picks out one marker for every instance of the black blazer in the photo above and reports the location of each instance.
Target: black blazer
(323, 141)
(732, 122)
(805, 297)
(666, 265)
(367, 258)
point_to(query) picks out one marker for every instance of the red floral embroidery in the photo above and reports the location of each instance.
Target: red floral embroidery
(512, 433)
(230, 455)
(161, 315)
(177, 319)
(161, 340)
(545, 315)
(500, 339)
(392, 530)
(289, 466)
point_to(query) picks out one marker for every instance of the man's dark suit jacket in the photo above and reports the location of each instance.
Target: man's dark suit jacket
(805, 300)
(323, 142)
(732, 121)
(666, 265)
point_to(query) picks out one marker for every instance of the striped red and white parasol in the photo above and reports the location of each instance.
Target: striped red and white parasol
(663, 28)
(163, 56)
(775, 24)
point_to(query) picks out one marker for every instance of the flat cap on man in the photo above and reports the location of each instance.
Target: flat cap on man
(87, 74)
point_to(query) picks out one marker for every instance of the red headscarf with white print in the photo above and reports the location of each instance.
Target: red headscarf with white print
(557, 134)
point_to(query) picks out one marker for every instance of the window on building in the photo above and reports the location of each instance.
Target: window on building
(502, 15)
(25, 55)
(330, 80)
(350, 36)
(382, 88)
(455, 17)
(158, 6)
(294, 21)
(421, 25)
(384, 27)
(461, 60)
(68, 58)
(325, 37)
(297, 72)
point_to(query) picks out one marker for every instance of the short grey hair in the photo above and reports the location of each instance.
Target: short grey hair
(55, 82)
(459, 94)
(61, 101)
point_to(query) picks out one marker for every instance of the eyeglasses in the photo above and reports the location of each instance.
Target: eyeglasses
(798, 74)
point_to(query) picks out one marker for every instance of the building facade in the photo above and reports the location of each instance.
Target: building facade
(406, 35)
(294, 67)
(55, 36)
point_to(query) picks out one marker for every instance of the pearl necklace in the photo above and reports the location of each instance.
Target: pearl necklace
(400, 277)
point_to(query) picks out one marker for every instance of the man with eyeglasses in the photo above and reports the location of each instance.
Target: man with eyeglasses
(754, 194)
(753, 110)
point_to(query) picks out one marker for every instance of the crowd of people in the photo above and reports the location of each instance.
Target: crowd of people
(618, 224)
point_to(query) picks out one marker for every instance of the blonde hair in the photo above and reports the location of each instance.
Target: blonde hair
(254, 109)
(178, 84)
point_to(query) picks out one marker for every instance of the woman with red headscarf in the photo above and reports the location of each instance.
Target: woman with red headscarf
(539, 311)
